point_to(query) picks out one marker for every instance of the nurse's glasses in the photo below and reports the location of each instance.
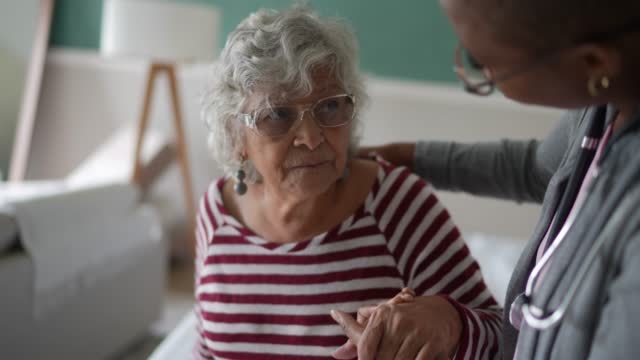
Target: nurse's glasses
(478, 79)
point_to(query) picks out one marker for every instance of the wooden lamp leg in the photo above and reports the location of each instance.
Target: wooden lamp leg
(183, 159)
(181, 146)
(142, 123)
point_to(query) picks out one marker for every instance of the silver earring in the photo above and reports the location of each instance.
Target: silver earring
(240, 187)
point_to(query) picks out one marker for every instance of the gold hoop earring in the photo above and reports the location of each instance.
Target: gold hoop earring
(594, 86)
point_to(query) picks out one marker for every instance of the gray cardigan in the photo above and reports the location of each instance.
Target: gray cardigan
(603, 322)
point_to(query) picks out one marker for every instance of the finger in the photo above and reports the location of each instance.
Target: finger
(409, 349)
(370, 339)
(390, 346)
(368, 152)
(407, 298)
(424, 354)
(399, 299)
(350, 326)
(347, 351)
(408, 291)
(364, 313)
(388, 349)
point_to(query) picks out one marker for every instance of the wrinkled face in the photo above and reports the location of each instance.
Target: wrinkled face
(555, 79)
(308, 159)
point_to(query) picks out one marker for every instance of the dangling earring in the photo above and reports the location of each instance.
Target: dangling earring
(594, 87)
(240, 186)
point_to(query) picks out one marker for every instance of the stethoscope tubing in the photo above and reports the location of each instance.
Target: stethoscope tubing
(533, 315)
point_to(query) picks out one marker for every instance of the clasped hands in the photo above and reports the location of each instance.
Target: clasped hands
(403, 328)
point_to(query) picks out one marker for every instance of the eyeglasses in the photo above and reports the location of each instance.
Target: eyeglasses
(330, 112)
(472, 73)
(478, 79)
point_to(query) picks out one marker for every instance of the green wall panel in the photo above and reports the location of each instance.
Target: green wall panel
(76, 23)
(408, 39)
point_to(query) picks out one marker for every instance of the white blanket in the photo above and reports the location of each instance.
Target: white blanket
(74, 237)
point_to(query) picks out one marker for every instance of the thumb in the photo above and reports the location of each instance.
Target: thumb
(351, 328)
(347, 351)
(367, 152)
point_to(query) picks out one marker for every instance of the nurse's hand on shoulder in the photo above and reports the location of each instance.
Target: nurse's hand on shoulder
(400, 154)
(406, 327)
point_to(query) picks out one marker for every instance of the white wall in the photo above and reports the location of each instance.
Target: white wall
(86, 97)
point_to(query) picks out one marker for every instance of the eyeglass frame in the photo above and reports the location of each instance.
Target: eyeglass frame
(249, 119)
(490, 84)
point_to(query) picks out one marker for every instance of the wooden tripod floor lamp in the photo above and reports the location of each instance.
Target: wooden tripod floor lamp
(166, 33)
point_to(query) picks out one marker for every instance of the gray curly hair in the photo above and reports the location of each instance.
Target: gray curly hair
(275, 52)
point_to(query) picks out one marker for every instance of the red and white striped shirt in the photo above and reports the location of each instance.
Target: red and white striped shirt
(261, 300)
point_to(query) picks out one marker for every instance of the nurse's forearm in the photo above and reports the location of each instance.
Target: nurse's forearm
(504, 169)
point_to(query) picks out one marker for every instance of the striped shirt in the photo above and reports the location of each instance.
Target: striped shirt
(261, 300)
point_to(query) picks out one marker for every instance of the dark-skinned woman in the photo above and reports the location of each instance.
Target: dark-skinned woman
(575, 291)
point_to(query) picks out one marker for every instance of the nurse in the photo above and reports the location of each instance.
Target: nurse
(575, 291)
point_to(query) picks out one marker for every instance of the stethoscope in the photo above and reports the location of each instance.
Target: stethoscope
(533, 315)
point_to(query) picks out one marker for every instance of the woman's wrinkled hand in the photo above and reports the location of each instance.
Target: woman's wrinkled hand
(349, 350)
(406, 327)
(399, 154)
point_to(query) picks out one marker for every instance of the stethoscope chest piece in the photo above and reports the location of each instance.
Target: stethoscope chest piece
(515, 312)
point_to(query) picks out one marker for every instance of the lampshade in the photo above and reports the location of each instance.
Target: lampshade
(159, 30)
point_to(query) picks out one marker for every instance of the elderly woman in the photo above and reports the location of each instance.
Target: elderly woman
(299, 227)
